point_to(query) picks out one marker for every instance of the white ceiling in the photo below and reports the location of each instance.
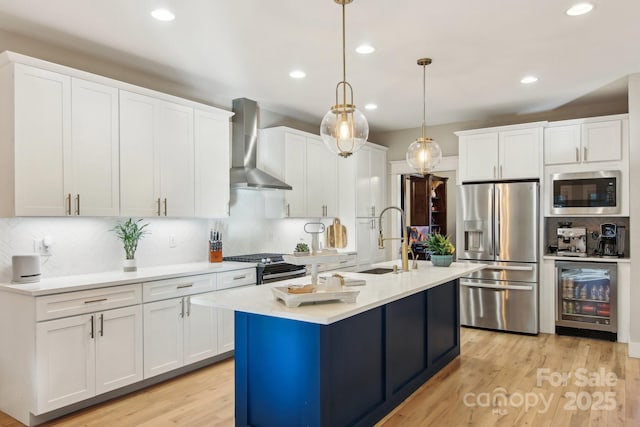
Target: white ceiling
(245, 48)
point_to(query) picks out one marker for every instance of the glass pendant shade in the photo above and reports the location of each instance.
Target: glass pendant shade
(423, 155)
(344, 130)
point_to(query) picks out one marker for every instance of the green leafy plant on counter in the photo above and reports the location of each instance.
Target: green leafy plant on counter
(130, 232)
(438, 244)
(302, 247)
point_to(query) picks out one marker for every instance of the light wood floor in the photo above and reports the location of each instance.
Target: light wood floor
(492, 365)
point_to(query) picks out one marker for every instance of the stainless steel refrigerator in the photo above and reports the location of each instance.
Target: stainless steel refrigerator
(500, 228)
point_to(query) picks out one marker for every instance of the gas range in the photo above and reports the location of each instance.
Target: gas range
(271, 267)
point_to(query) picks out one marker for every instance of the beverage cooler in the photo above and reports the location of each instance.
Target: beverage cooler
(587, 296)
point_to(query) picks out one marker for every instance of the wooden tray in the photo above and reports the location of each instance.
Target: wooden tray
(294, 300)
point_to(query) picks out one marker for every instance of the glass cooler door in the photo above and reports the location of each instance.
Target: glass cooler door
(587, 295)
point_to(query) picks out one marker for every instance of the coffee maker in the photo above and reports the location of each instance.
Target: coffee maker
(572, 241)
(611, 243)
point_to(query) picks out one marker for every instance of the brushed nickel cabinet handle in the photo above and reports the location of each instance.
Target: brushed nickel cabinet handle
(165, 206)
(188, 306)
(500, 171)
(577, 154)
(102, 325)
(77, 204)
(158, 206)
(91, 334)
(585, 154)
(244, 276)
(188, 285)
(182, 307)
(69, 204)
(95, 300)
(288, 209)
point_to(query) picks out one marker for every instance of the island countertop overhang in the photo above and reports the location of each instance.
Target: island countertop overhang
(379, 290)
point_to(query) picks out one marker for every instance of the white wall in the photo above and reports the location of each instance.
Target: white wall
(634, 205)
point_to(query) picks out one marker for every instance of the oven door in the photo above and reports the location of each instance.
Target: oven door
(282, 273)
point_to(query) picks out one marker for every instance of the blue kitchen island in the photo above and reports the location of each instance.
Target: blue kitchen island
(342, 364)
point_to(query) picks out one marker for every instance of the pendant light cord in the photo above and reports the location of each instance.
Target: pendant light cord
(344, 56)
(424, 100)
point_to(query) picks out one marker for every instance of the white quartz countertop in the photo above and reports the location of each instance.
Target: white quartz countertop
(379, 290)
(56, 285)
(586, 259)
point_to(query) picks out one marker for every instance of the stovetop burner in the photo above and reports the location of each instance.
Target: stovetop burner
(265, 258)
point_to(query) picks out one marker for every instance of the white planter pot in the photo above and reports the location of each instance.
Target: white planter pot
(129, 265)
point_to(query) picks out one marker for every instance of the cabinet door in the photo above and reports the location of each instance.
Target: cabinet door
(139, 180)
(211, 165)
(378, 177)
(363, 241)
(200, 329)
(479, 157)
(163, 336)
(519, 153)
(225, 330)
(42, 140)
(322, 180)
(94, 164)
(364, 204)
(118, 348)
(175, 151)
(562, 144)
(65, 362)
(295, 175)
(602, 141)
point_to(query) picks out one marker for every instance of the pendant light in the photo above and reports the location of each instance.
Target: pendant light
(424, 153)
(344, 129)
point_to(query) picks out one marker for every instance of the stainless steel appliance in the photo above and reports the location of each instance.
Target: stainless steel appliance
(590, 193)
(270, 267)
(587, 295)
(500, 228)
(608, 241)
(572, 241)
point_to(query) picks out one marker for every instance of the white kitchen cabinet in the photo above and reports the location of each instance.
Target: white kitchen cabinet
(66, 145)
(156, 157)
(371, 176)
(301, 160)
(596, 140)
(367, 233)
(226, 337)
(82, 356)
(211, 164)
(510, 152)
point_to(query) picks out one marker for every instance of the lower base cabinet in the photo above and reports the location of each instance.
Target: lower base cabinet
(348, 373)
(83, 356)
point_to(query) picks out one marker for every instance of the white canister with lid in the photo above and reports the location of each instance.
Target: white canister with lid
(26, 268)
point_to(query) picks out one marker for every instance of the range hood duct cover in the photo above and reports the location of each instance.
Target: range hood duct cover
(244, 146)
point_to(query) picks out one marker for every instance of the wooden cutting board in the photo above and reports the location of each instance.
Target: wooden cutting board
(336, 235)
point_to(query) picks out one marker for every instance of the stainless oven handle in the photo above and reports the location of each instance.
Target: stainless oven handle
(285, 274)
(497, 287)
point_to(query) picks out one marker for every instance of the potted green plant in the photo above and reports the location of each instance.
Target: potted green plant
(441, 249)
(301, 249)
(130, 232)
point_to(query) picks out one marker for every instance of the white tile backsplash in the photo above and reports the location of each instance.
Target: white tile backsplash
(86, 245)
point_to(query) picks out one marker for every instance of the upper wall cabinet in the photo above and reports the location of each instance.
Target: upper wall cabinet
(371, 178)
(503, 153)
(59, 144)
(301, 160)
(156, 157)
(77, 144)
(593, 140)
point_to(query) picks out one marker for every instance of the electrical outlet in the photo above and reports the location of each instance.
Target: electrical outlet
(41, 247)
(172, 241)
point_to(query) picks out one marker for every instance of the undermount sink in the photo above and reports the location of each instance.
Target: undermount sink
(377, 271)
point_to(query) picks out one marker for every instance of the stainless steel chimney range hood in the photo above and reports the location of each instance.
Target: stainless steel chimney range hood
(244, 146)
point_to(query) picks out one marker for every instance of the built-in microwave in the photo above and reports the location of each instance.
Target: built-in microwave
(586, 193)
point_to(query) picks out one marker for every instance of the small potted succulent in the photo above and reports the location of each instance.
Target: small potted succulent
(301, 249)
(130, 232)
(441, 249)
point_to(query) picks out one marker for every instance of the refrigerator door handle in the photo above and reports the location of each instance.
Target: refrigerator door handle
(497, 287)
(509, 267)
(498, 225)
(491, 192)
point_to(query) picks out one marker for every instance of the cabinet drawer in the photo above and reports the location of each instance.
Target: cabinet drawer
(231, 279)
(81, 302)
(172, 288)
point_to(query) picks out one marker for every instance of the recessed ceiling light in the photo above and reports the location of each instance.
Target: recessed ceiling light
(579, 9)
(371, 106)
(163, 15)
(365, 49)
(528, 80)
(297, 74)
